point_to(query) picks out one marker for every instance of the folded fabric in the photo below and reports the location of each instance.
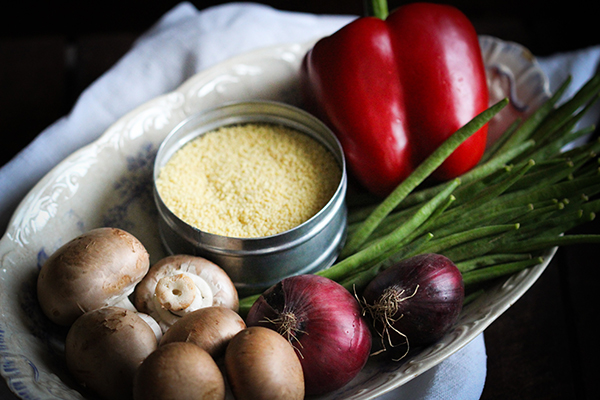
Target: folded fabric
(184, 42)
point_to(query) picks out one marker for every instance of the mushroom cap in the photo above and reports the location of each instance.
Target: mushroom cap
(223, 290)
(96, 269)
(179, 370)
(211, 328)
(104, 348)
(262, 365)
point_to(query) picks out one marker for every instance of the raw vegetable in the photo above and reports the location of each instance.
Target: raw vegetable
(96, 269)
(324, 323)
(180, 371)
(179, 284)
(414, 302)
(210, 328)
(393, 88)
(105, 347)
(262, 365)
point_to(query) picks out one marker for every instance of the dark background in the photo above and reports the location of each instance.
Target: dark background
(544, 347)
(51, 50)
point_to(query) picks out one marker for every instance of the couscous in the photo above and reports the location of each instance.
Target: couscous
(249, 180)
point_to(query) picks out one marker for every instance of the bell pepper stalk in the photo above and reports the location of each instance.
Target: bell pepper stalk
(376, 8)
(395, 89)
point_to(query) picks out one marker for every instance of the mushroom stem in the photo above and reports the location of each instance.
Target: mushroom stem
(153, 325)
(125, 303)
(181, 293)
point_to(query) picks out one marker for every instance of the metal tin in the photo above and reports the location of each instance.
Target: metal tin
(255, 264)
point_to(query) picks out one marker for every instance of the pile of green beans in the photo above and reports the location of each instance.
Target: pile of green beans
(495, 220)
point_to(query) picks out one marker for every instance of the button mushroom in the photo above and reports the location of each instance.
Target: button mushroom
(260, 364)
(179, 284)
(105, 347)
(210, 328)
(179, 370)
(97, 269)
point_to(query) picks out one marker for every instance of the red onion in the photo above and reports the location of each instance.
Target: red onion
(415, 302)
(324, 323)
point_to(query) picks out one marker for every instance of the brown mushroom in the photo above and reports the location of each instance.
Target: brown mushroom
(105, 347)
(97, 269)
(210, 328)
(180, 284)
(261, 364)
(179, 370)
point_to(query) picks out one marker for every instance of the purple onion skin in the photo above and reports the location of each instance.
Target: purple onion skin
(331, 336)
(425, 317)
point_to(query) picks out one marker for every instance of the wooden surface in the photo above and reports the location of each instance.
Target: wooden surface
(544, 347)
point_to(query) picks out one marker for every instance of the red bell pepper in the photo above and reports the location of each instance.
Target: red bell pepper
(394, 89)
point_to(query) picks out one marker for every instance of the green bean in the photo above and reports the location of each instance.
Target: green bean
(343, 267)
(469, 237)
(543, 242)
(490, 260)
(423, 171)
(360, 279)
(492, 152)
(530, 125)
(552, 143)
(246, 303)
(471, 181)
(480, 217)
(550, 175)
(497, 271)
(471, 177)
(562, 114)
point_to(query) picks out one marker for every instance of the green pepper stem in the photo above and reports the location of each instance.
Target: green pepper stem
(376, 8)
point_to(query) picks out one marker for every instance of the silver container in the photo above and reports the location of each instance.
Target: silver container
(255, 264)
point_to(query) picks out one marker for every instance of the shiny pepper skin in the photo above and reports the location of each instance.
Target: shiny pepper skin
(393, 90)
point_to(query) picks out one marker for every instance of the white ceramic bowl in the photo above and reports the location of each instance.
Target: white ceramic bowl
(109, 183)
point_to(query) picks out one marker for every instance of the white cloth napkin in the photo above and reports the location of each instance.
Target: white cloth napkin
(186, 41)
